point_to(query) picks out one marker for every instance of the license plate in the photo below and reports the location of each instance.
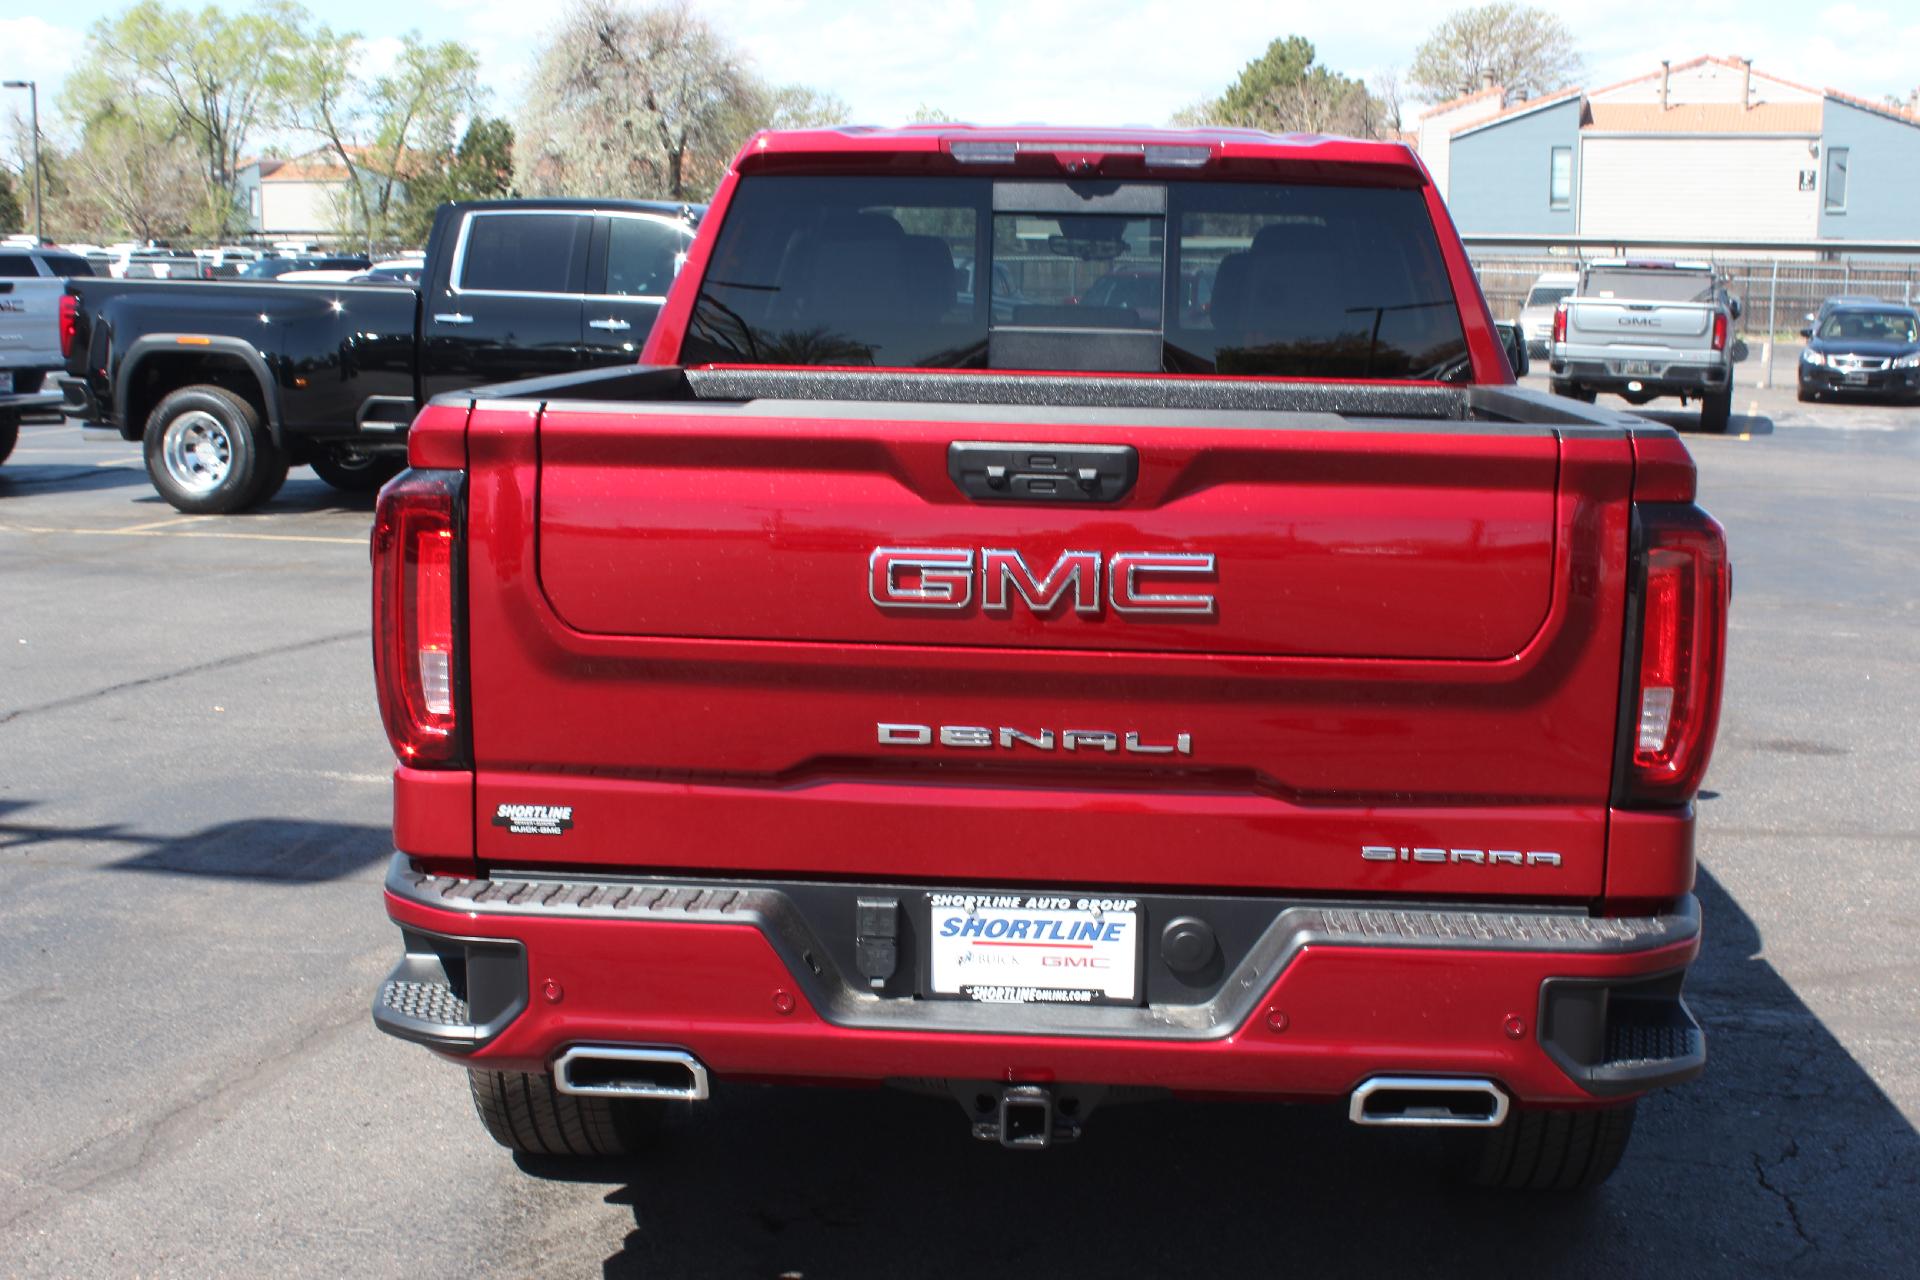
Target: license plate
(1034, 948)
(6, 382)
(1856, 379)
(1637, 368)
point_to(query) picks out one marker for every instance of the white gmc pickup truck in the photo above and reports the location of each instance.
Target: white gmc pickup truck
(1643, 330)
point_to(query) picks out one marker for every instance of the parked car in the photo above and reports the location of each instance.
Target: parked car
(1813, 319)
(152, 262)
(225, 261)
(1863, 349)
(858, 691)
(1138, 291)
(33, 285)
(1002, 297)
(1549, 290)
(231, 382)
(166, 266)
(402, 270)
(1645, 329)
(274, 268)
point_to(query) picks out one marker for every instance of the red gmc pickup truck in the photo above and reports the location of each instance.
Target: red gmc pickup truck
(932, 667)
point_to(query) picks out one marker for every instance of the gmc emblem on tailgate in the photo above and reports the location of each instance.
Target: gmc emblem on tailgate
(942, 579)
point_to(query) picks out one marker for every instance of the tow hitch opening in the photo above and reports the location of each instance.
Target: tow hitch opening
(1026, 1117)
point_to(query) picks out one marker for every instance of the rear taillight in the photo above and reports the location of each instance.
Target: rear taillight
(1719, 332)
(416, 630)
(1560, 323)
(69, 323)
(1675, 692)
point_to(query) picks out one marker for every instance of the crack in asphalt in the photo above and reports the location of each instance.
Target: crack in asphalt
(217, 664)
(111, 1156)
(1785, 1196)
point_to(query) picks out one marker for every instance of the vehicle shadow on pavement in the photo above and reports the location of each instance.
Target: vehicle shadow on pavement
(274, 850)
(307, 492)
(24, 478)
(1785, 1157)
(296, 497)
(1687, 422)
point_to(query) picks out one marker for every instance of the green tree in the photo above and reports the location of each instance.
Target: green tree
(135, 172)
(214, 74)
(381, 133)
(795, 106)
(11, 217)
(1285, 90)
(480, 168)
(1523, 49)
(652, 101)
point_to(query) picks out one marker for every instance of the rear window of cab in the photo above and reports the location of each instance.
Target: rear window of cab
(1260, 279)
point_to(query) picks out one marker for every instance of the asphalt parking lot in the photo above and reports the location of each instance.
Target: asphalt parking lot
(193, 826)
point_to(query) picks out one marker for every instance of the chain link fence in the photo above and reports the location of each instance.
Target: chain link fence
(1776, 294)
(1772, 291)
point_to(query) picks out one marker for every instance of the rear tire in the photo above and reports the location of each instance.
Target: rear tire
(1807, 394)
(1715, 408)
(526, 1114)
(1554, 1150)
(208, 452)
(353, 472)
(9, 433)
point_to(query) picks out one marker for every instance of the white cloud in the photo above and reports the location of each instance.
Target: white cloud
(41, 51)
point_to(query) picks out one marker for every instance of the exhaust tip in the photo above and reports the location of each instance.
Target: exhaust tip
(613, 1071)
(1436, 1102)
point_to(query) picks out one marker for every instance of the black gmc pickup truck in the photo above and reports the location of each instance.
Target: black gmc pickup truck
(232, 383)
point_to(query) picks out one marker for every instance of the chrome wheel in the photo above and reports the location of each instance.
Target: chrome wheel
(197, 451)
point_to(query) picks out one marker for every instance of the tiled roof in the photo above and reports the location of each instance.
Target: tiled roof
(324, 165)
(1519, 108)
(1705, 117)
(1883, 108)
(1734, 64)
(1461, 101)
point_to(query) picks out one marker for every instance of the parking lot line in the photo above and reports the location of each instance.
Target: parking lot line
(266, 537)
(170, 529)
(169, 522)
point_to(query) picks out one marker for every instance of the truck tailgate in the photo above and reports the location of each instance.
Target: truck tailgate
(29, 323)
(1668, 326)
(1412, 645)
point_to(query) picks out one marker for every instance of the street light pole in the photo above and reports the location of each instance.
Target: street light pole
(33, 103)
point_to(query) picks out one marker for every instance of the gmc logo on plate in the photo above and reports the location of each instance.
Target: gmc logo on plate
(944, 579)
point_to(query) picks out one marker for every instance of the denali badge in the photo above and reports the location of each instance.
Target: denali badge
(943, 578)
(973, 735)
(1479, 857)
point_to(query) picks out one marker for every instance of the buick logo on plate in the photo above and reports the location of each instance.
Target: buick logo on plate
(947, 580)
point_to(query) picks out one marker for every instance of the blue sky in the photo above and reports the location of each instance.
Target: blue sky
(1086, 61)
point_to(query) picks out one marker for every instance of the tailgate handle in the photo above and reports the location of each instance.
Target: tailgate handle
(999, 471)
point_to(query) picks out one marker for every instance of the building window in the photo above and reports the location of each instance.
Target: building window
(1560, 179)
(253, 201)
(1837, 158)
